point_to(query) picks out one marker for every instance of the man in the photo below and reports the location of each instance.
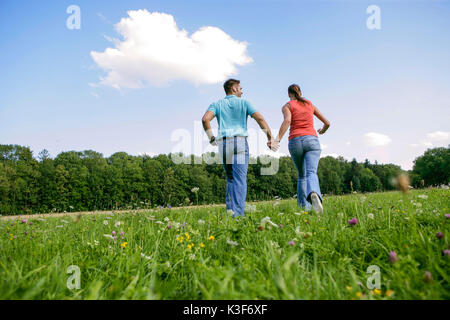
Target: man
(231, 113)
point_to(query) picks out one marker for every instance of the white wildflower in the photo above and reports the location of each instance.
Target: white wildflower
(65, 221)
(274, 244)
(176, 224)
(267, 220)
(233, 243)
(158, 222)
(370, 216)
(108, 236)
(105, 222)
(297, 213)
(166, 219)
(200, 221)
(59, 226)
(422, 196)
(145, 256)
(118, 223)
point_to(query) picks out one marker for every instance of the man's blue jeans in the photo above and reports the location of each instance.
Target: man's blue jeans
(234, 154)
(305, 152)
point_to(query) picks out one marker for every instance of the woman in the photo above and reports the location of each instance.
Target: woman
(304, 146)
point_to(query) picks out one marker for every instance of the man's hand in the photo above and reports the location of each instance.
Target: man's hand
(207, 127)
(213, 141)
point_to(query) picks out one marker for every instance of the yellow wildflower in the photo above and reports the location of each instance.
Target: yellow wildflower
(202, 245)
(187, 236)
(377, 291)
(348, 288)
(389, 293)
(189, 246)
(124, 245)
(211, 238)
(359, 295)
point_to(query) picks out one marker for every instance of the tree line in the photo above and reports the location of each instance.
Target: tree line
(81, 181)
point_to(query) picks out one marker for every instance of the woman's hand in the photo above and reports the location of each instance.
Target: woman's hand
(273, 145)
(323, 130)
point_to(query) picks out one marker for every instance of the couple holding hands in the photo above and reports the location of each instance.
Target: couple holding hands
(304, 146)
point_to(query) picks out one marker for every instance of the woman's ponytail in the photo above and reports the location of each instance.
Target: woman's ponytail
(294, 90)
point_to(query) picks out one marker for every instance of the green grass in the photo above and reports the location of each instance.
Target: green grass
(328, 260)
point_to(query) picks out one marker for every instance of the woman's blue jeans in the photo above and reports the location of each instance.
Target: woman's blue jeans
(305, 152)
(234, 154)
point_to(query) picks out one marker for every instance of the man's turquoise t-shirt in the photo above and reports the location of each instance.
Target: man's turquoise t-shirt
(231, 113)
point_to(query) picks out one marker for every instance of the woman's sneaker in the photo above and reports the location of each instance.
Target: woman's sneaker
(317, 205)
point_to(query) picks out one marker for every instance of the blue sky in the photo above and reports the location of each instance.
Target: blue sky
(388, 87)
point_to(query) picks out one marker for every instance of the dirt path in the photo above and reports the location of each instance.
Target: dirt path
(65, 214)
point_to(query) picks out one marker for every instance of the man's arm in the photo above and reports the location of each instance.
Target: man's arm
(206, 121)
(262, 124)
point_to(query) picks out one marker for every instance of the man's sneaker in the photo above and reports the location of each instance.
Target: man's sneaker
(317, 205)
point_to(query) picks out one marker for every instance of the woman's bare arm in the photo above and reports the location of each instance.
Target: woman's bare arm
(326, 123)
(286, 123)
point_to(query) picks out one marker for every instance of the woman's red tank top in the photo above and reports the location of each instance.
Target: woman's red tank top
(302, 119)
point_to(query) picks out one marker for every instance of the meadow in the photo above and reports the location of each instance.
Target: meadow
(276, 252)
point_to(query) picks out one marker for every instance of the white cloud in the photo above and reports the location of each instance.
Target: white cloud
(438, 136)
(422, 143)
(374, 139)
(348, 143)
(103, 17)
(323, 146)
(334, 155)
(155, 51)
(150, 154)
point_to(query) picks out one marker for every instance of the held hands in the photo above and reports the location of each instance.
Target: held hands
(273, 145)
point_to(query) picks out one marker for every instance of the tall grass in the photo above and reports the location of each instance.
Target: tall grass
(204, 253)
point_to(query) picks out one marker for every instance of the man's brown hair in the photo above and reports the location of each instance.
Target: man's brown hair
(229, 84)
